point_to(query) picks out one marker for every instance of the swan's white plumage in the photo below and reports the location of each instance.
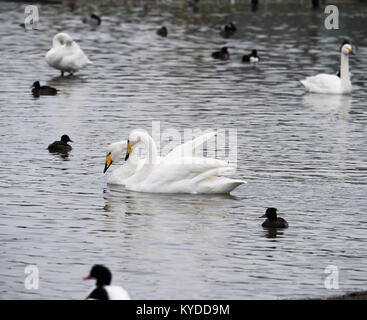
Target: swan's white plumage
(178, 172)
(66, 55)
(325, 83)
(332, 84)
(190, 148)
(119, 175)
(189, 175)
(116, 149)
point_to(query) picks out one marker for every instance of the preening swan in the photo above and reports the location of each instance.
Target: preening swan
(179, 172)
(66, 55)
(332, 84)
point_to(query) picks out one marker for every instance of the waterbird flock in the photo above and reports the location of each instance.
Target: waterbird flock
(169, 174)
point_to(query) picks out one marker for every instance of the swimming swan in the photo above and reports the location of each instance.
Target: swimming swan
(119, 175)
(133, 163)
(327, 83)
(66, 55)
(178, 173)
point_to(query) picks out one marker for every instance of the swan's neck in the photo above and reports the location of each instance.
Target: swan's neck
(152, 159)
(151, 147)
(132, 162)
(344, 68)
(56, 43)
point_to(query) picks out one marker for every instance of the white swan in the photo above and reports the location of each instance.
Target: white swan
(332, 84)
(133, 163)
(66, 55)
(119, 175)
(175, 173)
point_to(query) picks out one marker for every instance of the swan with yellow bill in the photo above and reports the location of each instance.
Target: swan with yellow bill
(181, 171)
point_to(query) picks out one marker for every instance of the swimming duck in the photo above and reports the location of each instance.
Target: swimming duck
(223, 54)
(103, 289)
(93, 20)
(332, 84)
(162, 31)
(272, 221)
(39, 90)
(228, 30)
(252, 57)
(61, 146)
(66, 55)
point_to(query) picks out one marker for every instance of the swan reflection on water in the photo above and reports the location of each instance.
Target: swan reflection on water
(118, 199)
(329, 107)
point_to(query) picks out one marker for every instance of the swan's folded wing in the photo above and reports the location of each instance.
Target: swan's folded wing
(53, 57)
(322, 82)
(190, 148)
(216, 184)
(186, 168)
(74, 57)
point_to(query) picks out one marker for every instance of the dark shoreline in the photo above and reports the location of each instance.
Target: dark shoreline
(113, 2)
(358, 295)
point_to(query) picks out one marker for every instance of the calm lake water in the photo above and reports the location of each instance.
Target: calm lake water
(304, 154)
